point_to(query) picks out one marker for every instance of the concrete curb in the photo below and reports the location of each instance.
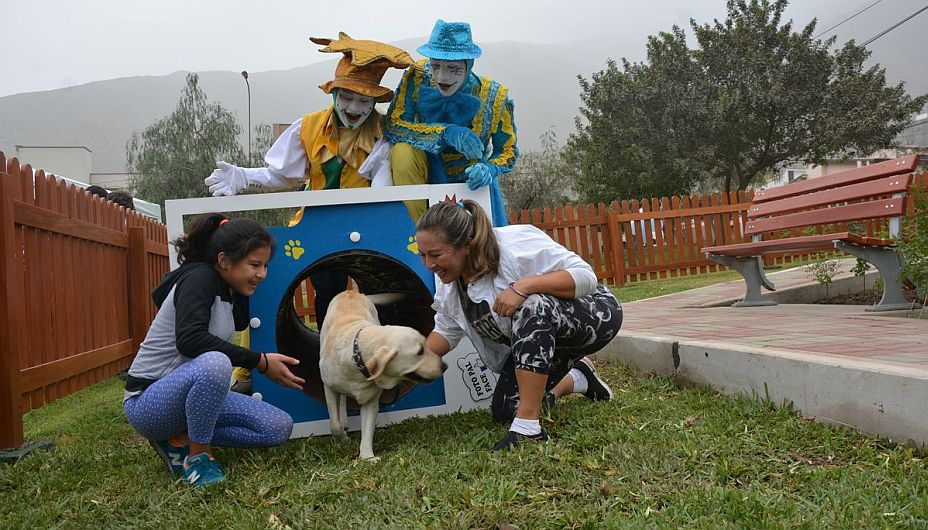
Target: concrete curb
(875, 397)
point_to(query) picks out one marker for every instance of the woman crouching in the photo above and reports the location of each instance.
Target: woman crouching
(532, 309)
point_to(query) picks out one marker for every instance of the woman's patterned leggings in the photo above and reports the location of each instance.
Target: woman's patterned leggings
(195, 399)
(549, 335)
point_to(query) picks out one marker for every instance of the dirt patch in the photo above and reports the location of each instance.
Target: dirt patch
(868, 297)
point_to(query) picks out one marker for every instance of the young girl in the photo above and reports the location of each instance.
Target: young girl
(177, 392)
(531, 308)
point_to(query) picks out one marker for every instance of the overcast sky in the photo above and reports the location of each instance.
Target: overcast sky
(49, 44)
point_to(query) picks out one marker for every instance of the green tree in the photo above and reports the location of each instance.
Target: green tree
(263, 139)
(173, 155)
(752, 94)
(631, 141)
(539, 179)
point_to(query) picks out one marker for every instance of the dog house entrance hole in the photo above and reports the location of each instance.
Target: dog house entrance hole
(373, 273)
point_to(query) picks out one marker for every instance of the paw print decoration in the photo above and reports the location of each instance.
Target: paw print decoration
(294, 249)
(413, 246)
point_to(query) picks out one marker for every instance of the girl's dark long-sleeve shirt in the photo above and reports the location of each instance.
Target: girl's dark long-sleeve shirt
(198, 312)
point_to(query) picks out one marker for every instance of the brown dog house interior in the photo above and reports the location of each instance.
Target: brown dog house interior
(368, 234)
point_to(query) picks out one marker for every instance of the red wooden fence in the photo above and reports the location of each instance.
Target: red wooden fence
(636, 240)
(76, 272)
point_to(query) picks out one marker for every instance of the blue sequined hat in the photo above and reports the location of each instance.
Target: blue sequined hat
(450, 41)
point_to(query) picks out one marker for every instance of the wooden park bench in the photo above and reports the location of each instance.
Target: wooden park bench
(868, 192)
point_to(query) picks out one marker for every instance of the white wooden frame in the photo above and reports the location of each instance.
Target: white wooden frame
(176, 209)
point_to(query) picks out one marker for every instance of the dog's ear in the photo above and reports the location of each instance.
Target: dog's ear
(378, 362)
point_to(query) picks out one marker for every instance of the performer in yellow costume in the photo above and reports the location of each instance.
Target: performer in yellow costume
(327, 149)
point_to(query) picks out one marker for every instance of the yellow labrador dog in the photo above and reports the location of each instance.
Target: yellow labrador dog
(361, 358)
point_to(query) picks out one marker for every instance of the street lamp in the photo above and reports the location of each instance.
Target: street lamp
(245, 75)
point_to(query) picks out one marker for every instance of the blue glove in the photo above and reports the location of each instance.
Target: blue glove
(463, 140)
(481, 174)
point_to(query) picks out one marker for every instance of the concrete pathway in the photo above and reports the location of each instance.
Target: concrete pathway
(840, 364)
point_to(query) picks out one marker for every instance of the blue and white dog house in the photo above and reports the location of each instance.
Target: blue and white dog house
(369, 234)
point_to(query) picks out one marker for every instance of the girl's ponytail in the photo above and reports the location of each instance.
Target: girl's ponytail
(213, 233)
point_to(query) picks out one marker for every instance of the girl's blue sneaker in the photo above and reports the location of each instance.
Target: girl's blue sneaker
(173, 455)
(202, 470)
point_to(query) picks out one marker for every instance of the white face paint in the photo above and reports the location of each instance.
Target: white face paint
(352, 108)
(448, 75)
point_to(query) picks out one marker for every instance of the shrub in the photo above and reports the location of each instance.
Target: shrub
(860, 269)
(914, 242)
(823, 270)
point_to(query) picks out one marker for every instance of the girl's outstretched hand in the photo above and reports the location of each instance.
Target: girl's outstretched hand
(278, 371)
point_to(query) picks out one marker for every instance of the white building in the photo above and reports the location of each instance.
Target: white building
(73, 164)
(913, 139)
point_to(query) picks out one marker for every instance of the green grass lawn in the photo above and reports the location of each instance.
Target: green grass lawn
(651, 288)
(659, 455)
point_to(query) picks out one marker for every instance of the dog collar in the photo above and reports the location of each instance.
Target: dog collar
(357, 355)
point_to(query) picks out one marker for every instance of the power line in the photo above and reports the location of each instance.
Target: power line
(894, 26)
(848, 18)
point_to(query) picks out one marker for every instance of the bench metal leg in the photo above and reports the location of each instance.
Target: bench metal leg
(752, 269)
(888, 261)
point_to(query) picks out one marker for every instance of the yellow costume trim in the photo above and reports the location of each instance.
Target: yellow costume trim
(448, 157)
(501, 95)
(507, 154)
(399, 99)
(418, 74)
(484, 92)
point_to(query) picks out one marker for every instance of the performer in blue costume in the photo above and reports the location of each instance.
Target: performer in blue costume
(448, 125)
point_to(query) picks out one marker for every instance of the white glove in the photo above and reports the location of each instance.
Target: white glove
(226, 179)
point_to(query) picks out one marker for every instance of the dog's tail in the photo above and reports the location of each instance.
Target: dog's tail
(387, 298)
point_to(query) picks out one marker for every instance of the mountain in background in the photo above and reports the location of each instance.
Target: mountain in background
(542, 79)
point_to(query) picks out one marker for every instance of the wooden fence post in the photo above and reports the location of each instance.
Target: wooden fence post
(13, 298)
(138, 288)
(618, 253)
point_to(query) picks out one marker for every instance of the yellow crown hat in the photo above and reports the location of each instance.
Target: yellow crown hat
(363, 65)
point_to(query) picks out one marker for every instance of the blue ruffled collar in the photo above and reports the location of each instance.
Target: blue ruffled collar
(458, 108)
